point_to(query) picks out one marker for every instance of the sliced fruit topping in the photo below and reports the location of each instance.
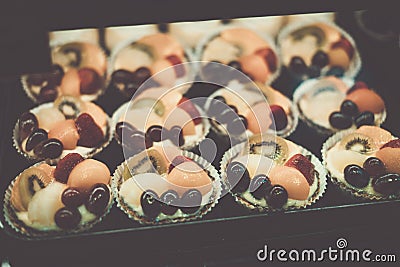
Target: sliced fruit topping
(67, 218)
(341, 158)
(191, 201)
(187, 105)
(298, 66)
(356, 176)
(28, 183)
(123, 129)
(393, 144)
(47, 93)
(66, 165)
(357, 85)
(176, 161)
(255, 67)
(35, 138)
(387, 184)
(27, 122)
(304, 165)
(292, 180)
(379, 135)
(217, 105)
(390, 157)
(238, 177)
(169, 202)
(70, 106)
(227, 115)
(359, 143)
(155, 133)
(349, 108)
(163, 72)
(88, 173)
(365, 118)
(367, 100)
(49, 149)
(339, 120)
(90, 134)
(237, 126)
(374, 167)
(344, 44)
(72, 197)
(179, 117)
(176, 136)
(48, 117)
(157, 160)
(320, 59)
(258, 118)
(270, 58)
(99, 197)
(178, 67)
(66, 132)
(277, 197)
(256, 164)
(90, 81)
(273, 147)
(260, 186)
(150, 203)
(70, 83)
(98, 114)
(157, 106)
(279, 116)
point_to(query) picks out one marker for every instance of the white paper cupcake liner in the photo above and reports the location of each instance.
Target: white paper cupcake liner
(344, 186)
(117, 180)
(83, 151)
(23, 231)
(320, 179)
(356, 62)
(307, 85)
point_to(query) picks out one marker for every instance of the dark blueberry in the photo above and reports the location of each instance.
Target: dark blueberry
(147, 141)
(27, 122)
(47, 93)
(213, 72)
(99, 197)
(67, 218)
(387, 184)
(320, 59)
(217, 105)
(169, 202)
(356, 176)
(155, 132)
(335, 71)
(349, 108)
(72, 197)
(235, 64)
(279, 116)
(226, 116)
(35, 138)
(191, 201)
(374, 166)
(123, 129)
(56, 74)
(260, 186)
(340, 121)
(237, 126)
(176, 136)
(163, 27)
(365, 118)
(314, 71)
(277, 197)
(122, 77)
(150, 203)
(298, 66)
(50, 149)
(238, 177)
(234, 109)
(176, 161)
(141, 75)
(135, 142)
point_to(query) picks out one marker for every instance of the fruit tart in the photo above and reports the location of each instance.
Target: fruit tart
(79, 70)
(52, 130)
(135, 61)
(49, 200)
(314, 48)
(364, 162)
(270, 173)
(159, 116)
(165, 184)
(330, 104)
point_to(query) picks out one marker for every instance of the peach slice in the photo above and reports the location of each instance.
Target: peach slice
(48, 117)
(179, 117)
(258, 118)
(163, 72)
(71, 83)
(163, 45)
(379, 135)
(292, 180)
(66, 132)
(255, 66)
(390, 157)
(367, 100)
(87, 173)
(256, 164)
(246, 39)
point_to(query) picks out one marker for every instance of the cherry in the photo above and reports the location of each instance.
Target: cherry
(238, 177)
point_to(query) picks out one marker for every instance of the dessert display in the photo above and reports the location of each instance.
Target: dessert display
(69, 197)
(242, 49)
(134, 62)
(159, 116)
(52, 130)
(364, 162)
(330, 104)
(247, 109)
(78, 70)
(316, 48)
(271, 173)
(165, 184)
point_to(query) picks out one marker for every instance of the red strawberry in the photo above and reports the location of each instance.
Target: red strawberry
(344, 44)
(279, 116)
(90, 134)
(191, 109)
(176, 61)
(90, 81)
(270, 58)
(393, 144)
(304, 165)
(66, 165)
(176, 161)
(356, 86)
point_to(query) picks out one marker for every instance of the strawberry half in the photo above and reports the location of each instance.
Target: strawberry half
(304, 165)
(176, 161)
(270, 58)
(90, 81)
(90, 134)
(178, 67)
(65, 166)
(393, 144)
(344, 44)
(191, 109)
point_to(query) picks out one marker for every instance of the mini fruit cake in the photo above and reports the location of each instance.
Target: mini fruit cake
(272, 173)
(247, 109)
(135, 62)
(52, 130)
(365, 162)
(159, 116)
(166, 184)
(78, 70)
(330, 104)
(242, 49)
(311, 49)
(69, 197)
